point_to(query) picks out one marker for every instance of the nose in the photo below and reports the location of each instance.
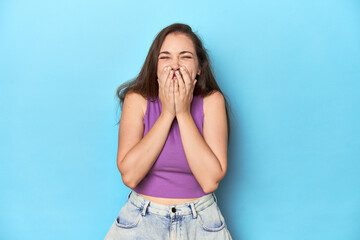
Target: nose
(174, 64)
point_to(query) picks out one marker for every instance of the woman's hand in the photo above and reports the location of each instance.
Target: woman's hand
(183, 91)
(166, 91)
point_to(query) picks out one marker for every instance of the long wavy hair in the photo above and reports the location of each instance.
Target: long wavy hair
(146, 84)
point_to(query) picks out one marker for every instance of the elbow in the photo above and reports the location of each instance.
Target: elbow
(128, 182)
(209, 188)
(126, 178)
(213, 185)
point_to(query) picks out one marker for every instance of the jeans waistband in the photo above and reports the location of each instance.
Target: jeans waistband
(180, 209)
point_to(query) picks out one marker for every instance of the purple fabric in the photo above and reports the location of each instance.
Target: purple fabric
(170, 176)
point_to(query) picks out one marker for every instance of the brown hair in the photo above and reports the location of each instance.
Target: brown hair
(145, 83)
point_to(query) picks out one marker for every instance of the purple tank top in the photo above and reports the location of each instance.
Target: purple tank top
(171, 176)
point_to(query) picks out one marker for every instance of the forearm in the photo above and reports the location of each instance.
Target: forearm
(202, 161)
(139, 160)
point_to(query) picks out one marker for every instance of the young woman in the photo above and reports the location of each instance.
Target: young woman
(173, 139)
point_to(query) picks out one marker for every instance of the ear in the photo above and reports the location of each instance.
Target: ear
(198, 74)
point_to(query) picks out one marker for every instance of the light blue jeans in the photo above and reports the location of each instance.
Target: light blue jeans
(142, 219)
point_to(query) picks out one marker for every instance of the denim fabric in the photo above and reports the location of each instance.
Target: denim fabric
(142, 219)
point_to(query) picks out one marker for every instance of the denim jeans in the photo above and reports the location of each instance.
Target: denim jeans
(142, 219)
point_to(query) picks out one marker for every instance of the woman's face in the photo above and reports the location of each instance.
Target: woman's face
(178, 51)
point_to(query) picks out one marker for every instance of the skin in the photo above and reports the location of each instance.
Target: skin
(177, 69)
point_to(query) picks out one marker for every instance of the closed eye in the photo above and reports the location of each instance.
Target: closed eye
(189, 57)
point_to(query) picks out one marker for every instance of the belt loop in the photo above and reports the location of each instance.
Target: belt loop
(193, 210)
(129, 194)
(213, 193)
(143, 212)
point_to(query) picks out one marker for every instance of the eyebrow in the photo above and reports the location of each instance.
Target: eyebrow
(183, 52)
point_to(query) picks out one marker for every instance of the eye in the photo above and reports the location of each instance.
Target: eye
(187, 57)
(164, 57)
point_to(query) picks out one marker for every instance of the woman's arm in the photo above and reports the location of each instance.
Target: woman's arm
(137, 154)
(207, 154)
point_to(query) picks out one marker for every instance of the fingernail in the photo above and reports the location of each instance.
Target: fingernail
(182, 69)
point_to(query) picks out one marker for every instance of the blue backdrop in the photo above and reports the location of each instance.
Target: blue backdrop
(291, 70)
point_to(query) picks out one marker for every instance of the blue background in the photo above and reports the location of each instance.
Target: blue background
(291, 70)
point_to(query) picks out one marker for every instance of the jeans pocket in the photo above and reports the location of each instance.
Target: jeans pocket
(129, 216)
(211, 218)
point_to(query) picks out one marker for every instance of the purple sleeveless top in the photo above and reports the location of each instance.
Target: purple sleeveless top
(171, 176)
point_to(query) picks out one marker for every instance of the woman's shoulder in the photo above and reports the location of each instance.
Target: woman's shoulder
(214, 95)
(213, 100)
(136, 100)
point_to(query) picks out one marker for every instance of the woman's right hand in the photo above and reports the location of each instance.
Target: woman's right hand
(166, 91)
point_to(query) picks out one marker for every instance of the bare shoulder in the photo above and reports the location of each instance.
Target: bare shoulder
(135, 101)
(213, 101)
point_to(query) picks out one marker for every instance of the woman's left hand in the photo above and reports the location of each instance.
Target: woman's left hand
(183, 91)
